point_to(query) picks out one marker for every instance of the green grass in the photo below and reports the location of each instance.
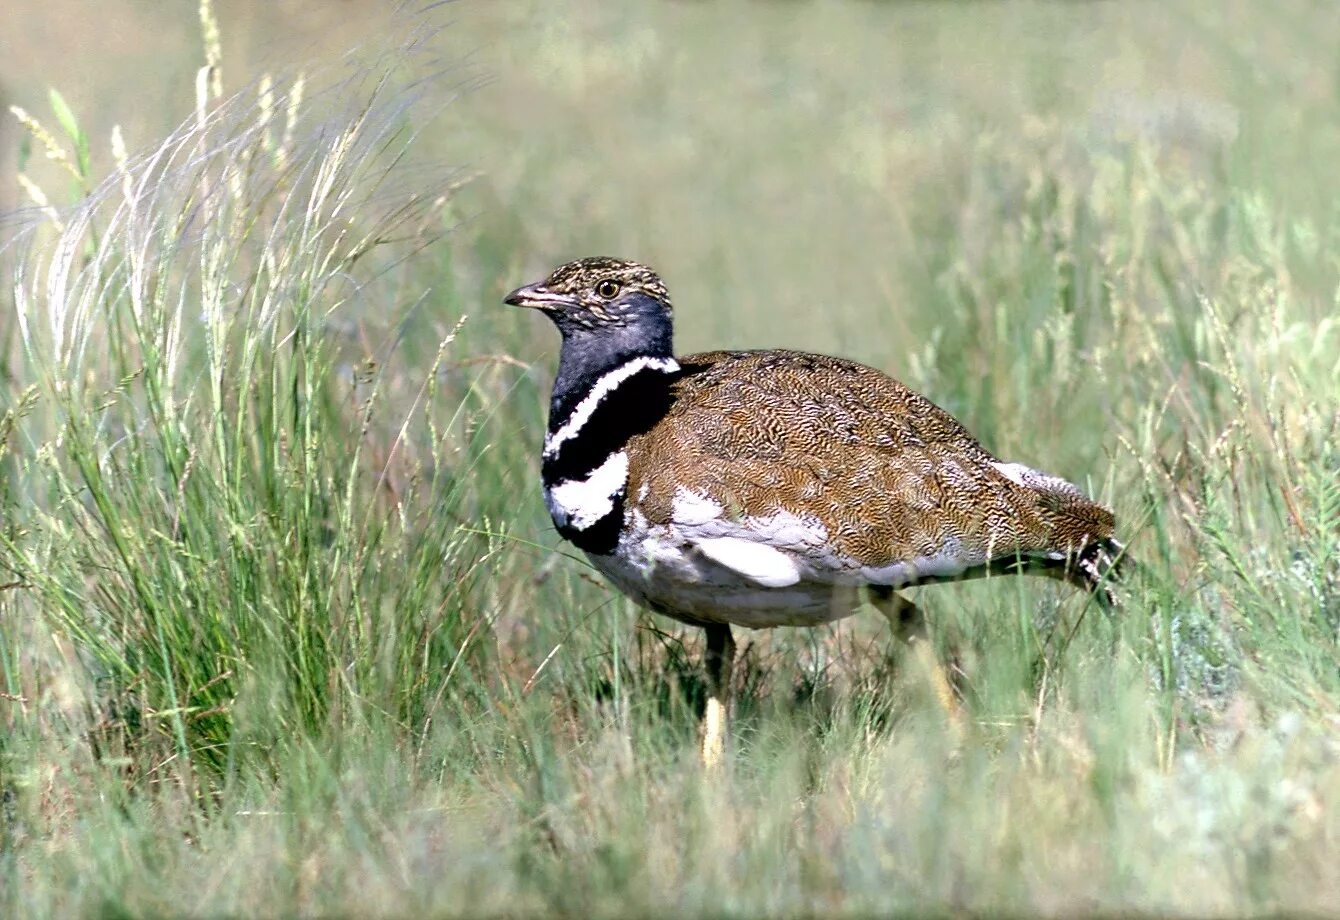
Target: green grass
(284, 628)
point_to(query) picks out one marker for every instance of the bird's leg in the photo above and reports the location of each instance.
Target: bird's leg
(905, 618)
(720, 657)
(908, 624)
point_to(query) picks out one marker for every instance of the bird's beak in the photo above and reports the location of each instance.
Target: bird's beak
(536, 296)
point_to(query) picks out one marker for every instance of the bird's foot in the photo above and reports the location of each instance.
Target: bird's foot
(714, 734)
(908, 624)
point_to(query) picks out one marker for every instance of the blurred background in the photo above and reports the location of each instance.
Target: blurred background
(822, 174)
(804, 156)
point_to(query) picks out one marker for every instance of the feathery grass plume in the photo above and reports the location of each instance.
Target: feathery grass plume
(197, 505)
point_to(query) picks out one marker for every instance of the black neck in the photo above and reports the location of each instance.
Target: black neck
(589, 354)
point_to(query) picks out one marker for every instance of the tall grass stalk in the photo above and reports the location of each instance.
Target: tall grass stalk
(206, 506)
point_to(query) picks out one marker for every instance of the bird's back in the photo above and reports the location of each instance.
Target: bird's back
(888, 475)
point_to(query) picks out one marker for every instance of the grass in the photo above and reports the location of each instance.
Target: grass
(284, 628)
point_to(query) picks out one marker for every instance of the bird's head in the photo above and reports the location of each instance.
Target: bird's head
(609, 311)
(599, 296)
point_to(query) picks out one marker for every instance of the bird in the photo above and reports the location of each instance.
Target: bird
(766, 488)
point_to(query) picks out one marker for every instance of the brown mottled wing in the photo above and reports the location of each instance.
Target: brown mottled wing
(893, 475)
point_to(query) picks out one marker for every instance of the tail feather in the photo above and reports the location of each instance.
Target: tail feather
(1098, 567)
(1084, 551)
(1095, 566)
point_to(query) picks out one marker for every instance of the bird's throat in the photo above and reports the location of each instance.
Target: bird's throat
(590, 355)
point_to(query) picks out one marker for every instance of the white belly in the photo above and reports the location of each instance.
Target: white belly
(674, 571)
(705, 566)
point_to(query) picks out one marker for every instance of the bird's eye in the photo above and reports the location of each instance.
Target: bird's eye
(608, 289)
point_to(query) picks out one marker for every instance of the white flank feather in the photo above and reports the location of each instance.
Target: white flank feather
(758, 562)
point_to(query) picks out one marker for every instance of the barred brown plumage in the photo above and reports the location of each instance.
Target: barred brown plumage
(767, 488)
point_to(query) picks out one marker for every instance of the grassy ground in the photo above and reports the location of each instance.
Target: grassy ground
(284, 627)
